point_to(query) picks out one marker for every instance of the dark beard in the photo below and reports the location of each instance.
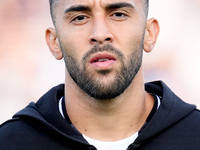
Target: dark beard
(97, 88)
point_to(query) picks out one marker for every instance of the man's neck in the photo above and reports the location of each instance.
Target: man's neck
(109, 120)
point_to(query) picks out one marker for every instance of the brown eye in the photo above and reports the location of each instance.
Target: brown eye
(119, 16)
(79, 18)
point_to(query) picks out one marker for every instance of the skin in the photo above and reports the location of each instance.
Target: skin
(125, 28)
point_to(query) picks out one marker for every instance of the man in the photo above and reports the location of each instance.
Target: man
(104, 103)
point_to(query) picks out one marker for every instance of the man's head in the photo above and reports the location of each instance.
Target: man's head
(53, 8)
(102, 42)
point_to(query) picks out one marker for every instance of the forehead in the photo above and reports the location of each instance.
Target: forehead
(96, 3)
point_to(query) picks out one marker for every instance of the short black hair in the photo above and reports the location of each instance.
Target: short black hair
(146, 8)
(53, 6)
(52, 9)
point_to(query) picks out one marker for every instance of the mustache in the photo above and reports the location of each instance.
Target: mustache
(104, 48)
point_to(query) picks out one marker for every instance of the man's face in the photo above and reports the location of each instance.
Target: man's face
(102, 43)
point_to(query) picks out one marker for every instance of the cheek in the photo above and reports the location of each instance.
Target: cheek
(128, 35)
(73, 45)
(130, 42)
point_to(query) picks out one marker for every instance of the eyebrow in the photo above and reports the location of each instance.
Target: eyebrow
(108, 7)
(119, 5)
(77, 8)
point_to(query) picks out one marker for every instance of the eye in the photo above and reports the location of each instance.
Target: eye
(80, 19)
(119, 16)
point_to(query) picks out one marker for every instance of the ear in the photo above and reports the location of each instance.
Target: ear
(151, 34)
(53, 43)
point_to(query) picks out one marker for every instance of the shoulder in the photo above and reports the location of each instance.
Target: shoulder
(14, 131)
(20, 134)
(193, 120)
(18, 127)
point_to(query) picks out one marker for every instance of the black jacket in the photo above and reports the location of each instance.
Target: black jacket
(39, 126)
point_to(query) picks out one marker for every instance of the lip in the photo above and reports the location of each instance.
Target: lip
(102, 56)
(102, 60)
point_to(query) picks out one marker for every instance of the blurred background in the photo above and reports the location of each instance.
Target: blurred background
(28, 70)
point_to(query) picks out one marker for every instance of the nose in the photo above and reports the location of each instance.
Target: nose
(100, 33)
